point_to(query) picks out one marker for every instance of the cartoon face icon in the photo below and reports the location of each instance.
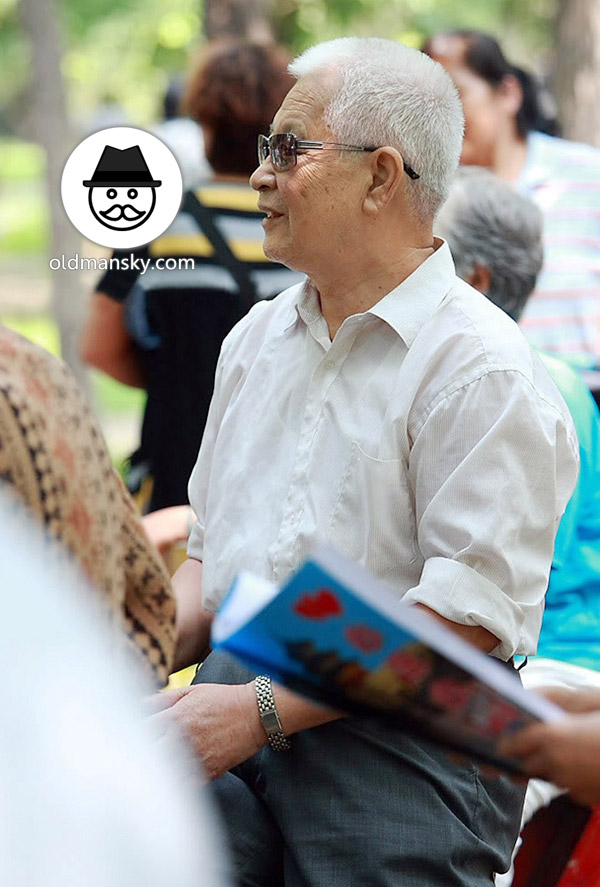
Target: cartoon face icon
(122, 192)
(122, 208)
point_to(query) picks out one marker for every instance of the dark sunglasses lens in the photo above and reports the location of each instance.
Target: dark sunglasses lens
(283, 151)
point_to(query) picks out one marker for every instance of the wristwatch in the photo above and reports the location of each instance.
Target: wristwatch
(268, 714)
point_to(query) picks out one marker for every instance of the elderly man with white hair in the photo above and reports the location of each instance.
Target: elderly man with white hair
(386, 407)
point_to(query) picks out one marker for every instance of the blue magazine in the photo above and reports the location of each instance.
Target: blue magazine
(338, 635)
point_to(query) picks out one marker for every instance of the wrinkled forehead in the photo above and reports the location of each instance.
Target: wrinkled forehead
(302, 109)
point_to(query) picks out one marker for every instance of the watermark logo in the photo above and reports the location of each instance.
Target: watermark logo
(121, 187)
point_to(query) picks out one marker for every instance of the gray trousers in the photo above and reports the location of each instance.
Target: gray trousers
(360, 802)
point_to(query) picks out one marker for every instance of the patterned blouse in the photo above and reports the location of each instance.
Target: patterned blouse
(53, 454)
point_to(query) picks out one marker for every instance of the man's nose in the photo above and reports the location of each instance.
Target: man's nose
(263, 178)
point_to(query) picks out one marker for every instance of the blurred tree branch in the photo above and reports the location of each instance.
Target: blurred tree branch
(250, 19)
(577, 72)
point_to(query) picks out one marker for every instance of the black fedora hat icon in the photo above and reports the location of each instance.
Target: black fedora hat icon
(118, 167)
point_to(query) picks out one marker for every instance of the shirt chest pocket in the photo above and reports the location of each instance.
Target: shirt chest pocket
(373, 518)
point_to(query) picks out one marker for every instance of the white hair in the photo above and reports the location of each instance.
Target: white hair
(392, 95)
(487, 223)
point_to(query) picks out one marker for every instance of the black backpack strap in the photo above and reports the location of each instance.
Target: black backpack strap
(223, 253)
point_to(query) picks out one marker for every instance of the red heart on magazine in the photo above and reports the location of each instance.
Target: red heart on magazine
(364, 638)
(321, 605)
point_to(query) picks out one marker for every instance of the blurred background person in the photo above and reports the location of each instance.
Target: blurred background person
(55, 460)
(502, 120)
(88, 793)
(495, 236)
(162, 331)
(183, 136)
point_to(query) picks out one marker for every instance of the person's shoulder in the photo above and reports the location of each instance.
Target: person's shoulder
(478, 335)
(564, 158)
(33, 377)
(470, 342)
(266, 319)
(20, 357)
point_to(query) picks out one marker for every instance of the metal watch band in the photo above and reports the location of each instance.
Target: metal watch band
(268, 714)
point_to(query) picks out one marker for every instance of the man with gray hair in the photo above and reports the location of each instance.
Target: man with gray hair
(385, 407)
(495, 236)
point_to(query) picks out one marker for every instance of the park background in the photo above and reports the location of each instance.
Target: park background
(66, 63)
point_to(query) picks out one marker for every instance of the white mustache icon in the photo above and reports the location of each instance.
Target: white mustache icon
(116, 212)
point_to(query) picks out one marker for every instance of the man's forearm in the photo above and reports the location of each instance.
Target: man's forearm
(193, 621)
(295, 712)
(106, 344)
(475, 634)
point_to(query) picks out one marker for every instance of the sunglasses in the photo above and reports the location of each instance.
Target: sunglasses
(283, 149)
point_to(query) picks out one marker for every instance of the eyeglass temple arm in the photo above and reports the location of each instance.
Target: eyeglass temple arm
(309, 145)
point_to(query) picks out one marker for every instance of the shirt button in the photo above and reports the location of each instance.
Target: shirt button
(330, 365)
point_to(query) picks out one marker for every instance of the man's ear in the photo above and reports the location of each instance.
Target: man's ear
(480, 278)
(386, 174)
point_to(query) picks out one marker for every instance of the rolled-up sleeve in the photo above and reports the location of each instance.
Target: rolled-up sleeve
(492, 466)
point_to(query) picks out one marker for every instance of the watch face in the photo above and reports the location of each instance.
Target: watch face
(271, 722)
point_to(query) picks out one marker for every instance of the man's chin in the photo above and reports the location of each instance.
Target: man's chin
(275, 253)
(278, 253)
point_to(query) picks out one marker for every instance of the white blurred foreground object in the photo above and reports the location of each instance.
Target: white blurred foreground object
(87, 794)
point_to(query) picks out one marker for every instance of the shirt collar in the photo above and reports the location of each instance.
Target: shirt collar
(407, 307)
(308, 304)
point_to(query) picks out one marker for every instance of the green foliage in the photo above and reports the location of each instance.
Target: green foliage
(39, 328)
(20, 161)
(123, 51)
(24, 223)
(126, 54)
(15, 58)
(522, 25)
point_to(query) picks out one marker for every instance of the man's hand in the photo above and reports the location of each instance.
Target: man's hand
(576, 702)
(220, 721)
(566, 753)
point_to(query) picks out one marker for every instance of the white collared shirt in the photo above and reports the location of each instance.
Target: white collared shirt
(426, 442)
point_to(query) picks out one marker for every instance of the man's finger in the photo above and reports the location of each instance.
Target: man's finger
(573, 701)
(523, 743)
(536, 764)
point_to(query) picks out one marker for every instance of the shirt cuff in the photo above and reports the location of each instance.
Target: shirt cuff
(461, 594)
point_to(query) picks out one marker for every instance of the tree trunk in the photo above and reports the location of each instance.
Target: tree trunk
(52, 131)
(577, 72)
(250, 19)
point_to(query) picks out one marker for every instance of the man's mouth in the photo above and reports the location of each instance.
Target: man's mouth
(271, 213)
(116, 212)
